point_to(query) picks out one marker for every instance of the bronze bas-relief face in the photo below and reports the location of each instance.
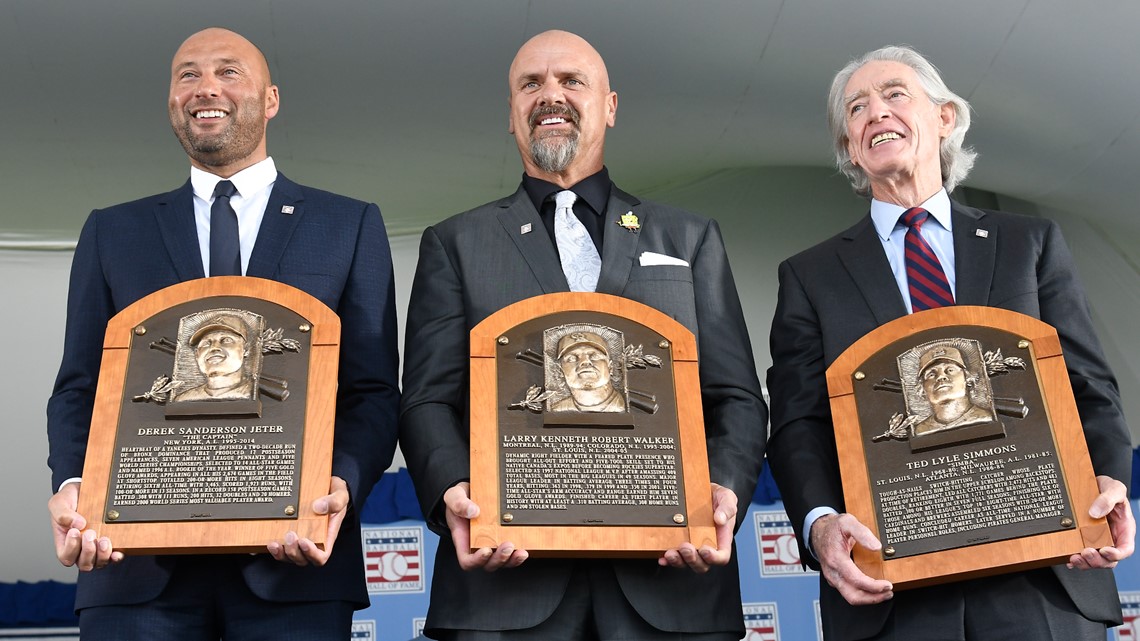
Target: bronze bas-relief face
(220, 352)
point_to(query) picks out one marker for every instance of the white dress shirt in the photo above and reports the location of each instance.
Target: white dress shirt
(254, 184)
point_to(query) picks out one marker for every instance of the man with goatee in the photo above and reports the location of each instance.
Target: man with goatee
(568, 228)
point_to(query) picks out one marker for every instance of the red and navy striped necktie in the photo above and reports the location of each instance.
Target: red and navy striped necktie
(928, 285)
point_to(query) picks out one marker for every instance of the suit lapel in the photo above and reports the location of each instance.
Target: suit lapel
(975, 255)
(864, 259)
(619, 245)
(518, 213)
(174, 215)
(276, 227)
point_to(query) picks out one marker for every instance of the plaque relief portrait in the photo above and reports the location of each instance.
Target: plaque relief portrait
(955, 396)
(581, 372)
(585, 371)
(948, 396)
(217, 370)
(224, 349)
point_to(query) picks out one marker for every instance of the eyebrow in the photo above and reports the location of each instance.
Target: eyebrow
(221, 61)
(886, 84)
(577, 73)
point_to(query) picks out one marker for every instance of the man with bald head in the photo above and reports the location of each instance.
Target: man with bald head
(569, 228)
(236, 215)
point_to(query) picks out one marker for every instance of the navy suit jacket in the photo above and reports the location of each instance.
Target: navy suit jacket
(332, 247)
(836, 292)
(478, 262)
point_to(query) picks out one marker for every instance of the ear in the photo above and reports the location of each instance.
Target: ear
(272, 102)
(510, 115)
(947, 118)
(611, 109)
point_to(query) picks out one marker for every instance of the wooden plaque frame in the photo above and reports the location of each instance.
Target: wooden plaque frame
(214, 536)
(487, 529)
(1040, 342)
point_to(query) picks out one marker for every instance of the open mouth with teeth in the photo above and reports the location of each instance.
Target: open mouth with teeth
(209, 114)
(886, 136)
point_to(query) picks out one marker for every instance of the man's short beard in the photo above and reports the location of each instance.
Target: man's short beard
(237, 141)
(554, 153)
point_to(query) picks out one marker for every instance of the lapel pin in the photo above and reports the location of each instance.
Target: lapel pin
(629, 221)
(525, 229)
(287, 209)
(982, 233)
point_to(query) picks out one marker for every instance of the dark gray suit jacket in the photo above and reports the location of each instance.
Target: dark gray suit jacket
(834, 293)
(478, 262)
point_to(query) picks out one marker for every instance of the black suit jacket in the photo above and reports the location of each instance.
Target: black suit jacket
(478, 262)
(332, 247)
(834, 293)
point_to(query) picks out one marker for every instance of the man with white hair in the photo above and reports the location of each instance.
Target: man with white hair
(898, 133)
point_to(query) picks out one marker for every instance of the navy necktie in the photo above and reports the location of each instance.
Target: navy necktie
(225, 249)
(925, 277)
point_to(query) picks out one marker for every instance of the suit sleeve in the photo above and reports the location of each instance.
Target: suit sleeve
(368, 396)
(1064, 306)
(89, 307)
(735, 415)
(801, 450)
(433, 429)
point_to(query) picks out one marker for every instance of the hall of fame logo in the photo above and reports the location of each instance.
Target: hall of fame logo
(363, 630)
(1130, 605)
(779, 552)
(393, 559)
(760, 622)
(418, 624)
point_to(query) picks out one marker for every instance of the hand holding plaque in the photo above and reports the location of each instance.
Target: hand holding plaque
(587, 436)
(213, 427)
(963, 451)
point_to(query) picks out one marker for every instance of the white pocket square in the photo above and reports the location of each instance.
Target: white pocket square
(653, 258)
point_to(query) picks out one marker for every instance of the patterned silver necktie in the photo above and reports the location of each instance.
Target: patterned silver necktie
(580, 260)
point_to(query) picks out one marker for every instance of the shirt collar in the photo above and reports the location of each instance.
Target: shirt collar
(594, 190)
(886, 215)
(248, 181)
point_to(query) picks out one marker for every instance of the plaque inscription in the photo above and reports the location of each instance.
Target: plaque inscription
(564, 472)
(967, 456)
(210, 424)
(587, 431)
(961, 447)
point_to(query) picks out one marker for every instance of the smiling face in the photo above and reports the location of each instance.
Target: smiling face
(943, 381)
(220, 352)
(585, 367)
(894, 132)
(560, 107)
(221, 101)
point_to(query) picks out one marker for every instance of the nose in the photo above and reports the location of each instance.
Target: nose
(207, 86)
(879, 109)
(551, 93)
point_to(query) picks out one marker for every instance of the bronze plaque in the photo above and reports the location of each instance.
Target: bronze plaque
(960, 449)
(589, 432)
(212, 414)
(213, 423)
